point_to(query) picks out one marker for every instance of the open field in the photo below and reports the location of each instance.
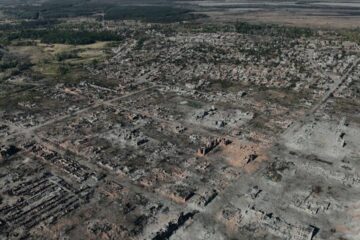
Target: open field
(321, 14)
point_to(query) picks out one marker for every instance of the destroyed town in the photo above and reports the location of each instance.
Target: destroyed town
(180, 120)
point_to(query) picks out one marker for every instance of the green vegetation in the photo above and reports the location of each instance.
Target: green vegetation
(140, 42)
(66, 55)
(149, 13)
(194, 104)
(211, 28)
(64, 69)
(261, 51)
(273, 30)
(10, 61)
(352, 35)
(57, 9)
(63, 36)
(28, 24)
